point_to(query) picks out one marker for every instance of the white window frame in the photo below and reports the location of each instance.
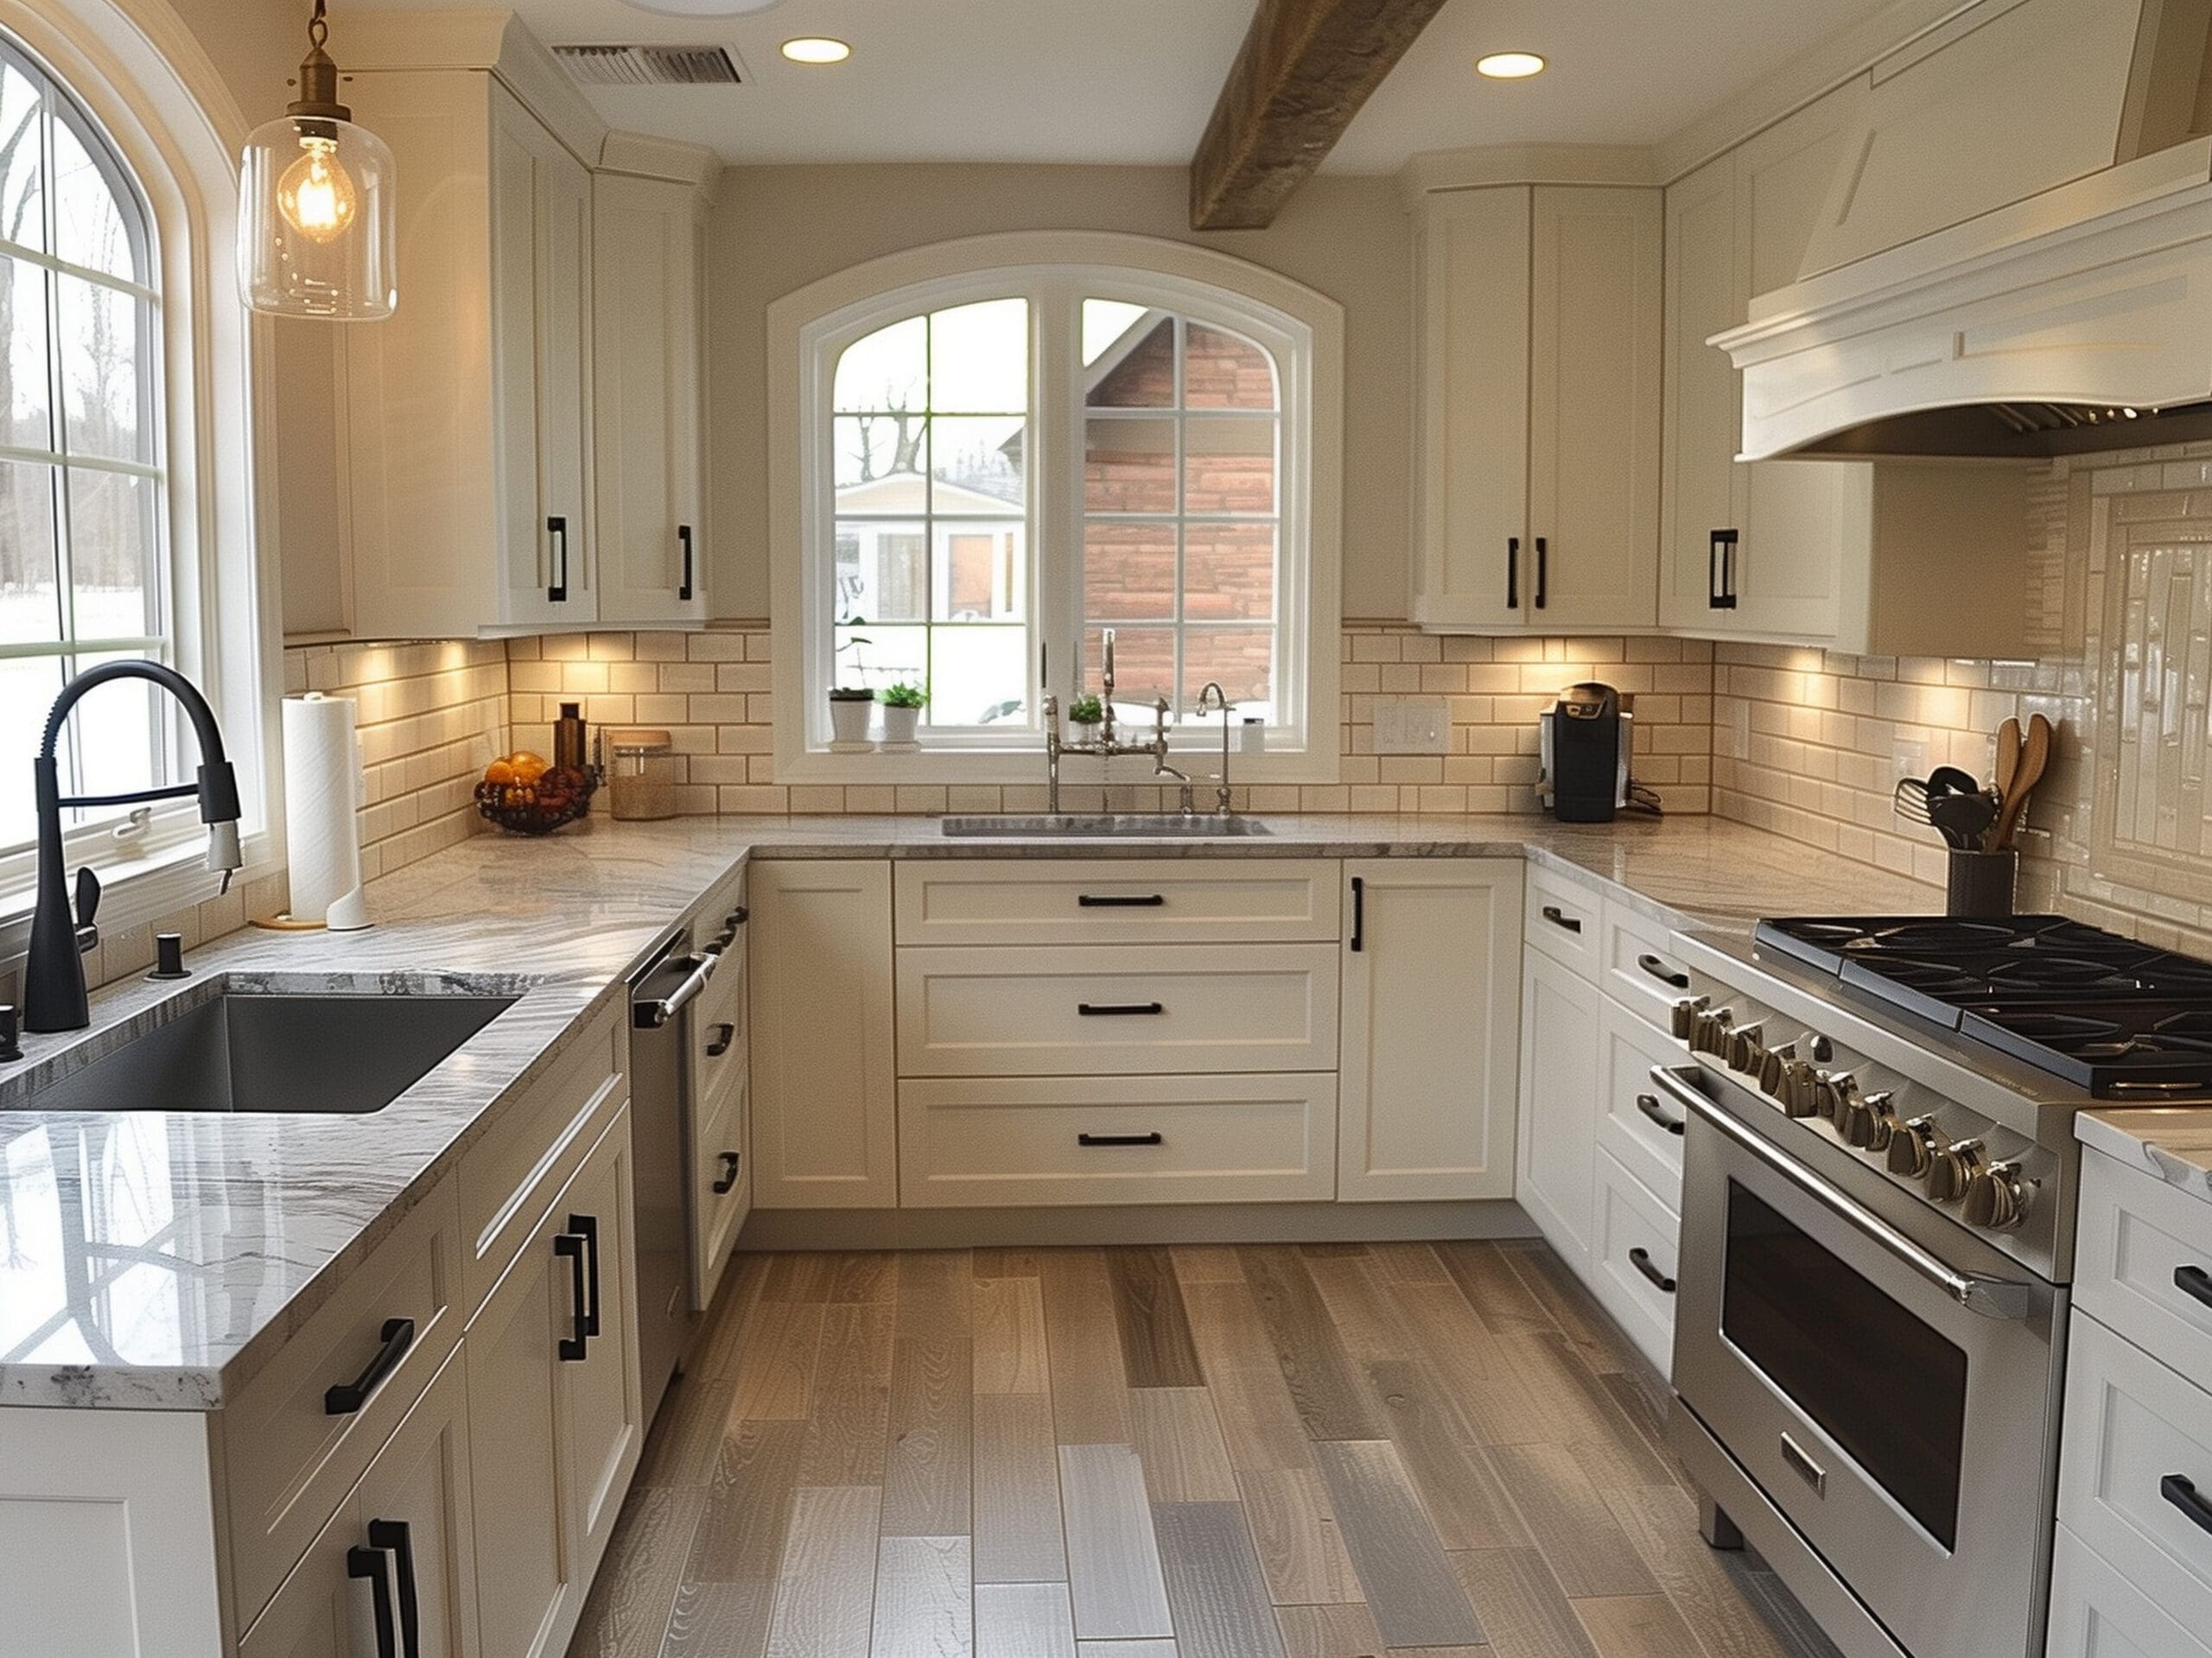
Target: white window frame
(145, 80)
(808, 331)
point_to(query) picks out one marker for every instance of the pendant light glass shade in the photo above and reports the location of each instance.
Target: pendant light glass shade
(317, 223)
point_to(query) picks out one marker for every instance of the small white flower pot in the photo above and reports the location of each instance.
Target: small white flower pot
(901, 728)
(848, 720)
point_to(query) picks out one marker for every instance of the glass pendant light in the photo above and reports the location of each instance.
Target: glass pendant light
(316, 218)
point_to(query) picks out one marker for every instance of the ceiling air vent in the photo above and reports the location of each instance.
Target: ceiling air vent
(650, 65)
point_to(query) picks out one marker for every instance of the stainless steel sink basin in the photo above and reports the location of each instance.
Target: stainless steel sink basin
(312, 1053)
(1106, 826)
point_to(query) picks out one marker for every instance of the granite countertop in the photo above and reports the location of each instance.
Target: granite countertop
(156, 1260)
(2173, 1142)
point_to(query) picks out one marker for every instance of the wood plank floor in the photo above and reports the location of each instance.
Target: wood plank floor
(1338, 1451)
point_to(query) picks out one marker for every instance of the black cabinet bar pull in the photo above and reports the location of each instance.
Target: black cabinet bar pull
(726, 1181)
(558, 590)
(1153, 1139)
(683, 538)
(396, 1536)
(1648, 1104)
(1659, 971)
(1558, 918)
(1720, 571)
(725, 1033)
(572, 1348)
(1117, 1009)
(1640, 1258)
(2180, 1490)
(1513, 572)
(2194, 1282)
(347, 1397)
(1359, 912)
(587, 1227)
(1121, 900)
(1543, 571)
(371, 1563)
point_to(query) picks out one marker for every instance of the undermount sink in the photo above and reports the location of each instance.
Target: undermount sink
(1106, 825)
(312, 1053)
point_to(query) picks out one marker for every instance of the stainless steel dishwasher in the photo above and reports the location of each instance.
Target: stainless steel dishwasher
(661, 994)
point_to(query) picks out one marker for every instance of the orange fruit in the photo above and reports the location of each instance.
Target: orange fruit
(528, 767)
(499, 772)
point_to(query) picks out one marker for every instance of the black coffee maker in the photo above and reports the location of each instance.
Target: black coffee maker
(1585, 754)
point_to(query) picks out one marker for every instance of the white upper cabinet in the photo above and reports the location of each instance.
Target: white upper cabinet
(1890, 558)
(1539, 341)
(649, 348)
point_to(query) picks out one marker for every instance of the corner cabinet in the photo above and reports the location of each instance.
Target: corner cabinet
(1427, 1057)
(1540, 332)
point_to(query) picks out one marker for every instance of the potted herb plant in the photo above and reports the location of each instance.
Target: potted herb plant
(852, 707)
(1085, 714)
(902, 714)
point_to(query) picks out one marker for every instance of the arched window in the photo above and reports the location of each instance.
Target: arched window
(83, 557)
(1000, 456)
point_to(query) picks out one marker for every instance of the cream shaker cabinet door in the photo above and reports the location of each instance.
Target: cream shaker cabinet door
(1707, 288)
(1559, 1104)
(824, 1090)
(1595, 355)
(602, 1392)
(1431, 1014)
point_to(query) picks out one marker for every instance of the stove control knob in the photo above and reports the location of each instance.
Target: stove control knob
(1833, 1097)
(1823, 1049)
(1684, 1020)
(1953, 1168)
(1713, 1033)
(1747, 1050)
(1772, 1063)
(1997, 1198)
(1912, 1147)
(1800, 1086)
(1866, 1121)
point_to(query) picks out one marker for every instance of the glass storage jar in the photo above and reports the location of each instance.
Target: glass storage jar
(641, 780)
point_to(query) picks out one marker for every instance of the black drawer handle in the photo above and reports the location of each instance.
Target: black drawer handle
(343, 1400)
(1359, 912)
(2180, 1490)
(684, 539)
(2194, 1282)
(1659, 971)
(1152, 1139)
(1118, 1009)
(1648, 1104)
(1640, 1258)
(573, 1348)
(371, 1563)
(1121, 900)
(725, 1033)
(587, 1227)
(397, 1536)
(727, 1180)
(1560, 918)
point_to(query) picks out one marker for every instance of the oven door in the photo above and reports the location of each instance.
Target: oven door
(1887, 1380)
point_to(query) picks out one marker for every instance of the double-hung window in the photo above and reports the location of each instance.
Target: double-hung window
(987, 460)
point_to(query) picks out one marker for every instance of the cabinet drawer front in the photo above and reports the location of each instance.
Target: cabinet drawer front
(1165, 1008)
(2097, 1613)
(1151, 1140)
(1563, 920)
(2133, 1428)
(1633, 1254)
(1116, 901)
(2138, 1242)
(1642, 972)
(1641, 1127)
(507, 1179)
(289, 1457)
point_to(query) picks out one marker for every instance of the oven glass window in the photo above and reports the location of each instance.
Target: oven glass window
(1886, 1387)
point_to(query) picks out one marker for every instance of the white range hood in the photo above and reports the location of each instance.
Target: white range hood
(2065, 301)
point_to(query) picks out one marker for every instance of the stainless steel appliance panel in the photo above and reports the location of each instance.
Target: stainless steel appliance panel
(659, 1092)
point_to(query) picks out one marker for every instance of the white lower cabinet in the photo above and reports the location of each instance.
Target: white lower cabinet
(1633, 1240)
(2096, 1612)
(395, 1564)
(1428, 1050)
(1559, 1103)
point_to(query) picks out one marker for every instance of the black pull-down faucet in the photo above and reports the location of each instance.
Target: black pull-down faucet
(53, 972)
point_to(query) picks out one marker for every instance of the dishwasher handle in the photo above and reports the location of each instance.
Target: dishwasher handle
(652, 1015)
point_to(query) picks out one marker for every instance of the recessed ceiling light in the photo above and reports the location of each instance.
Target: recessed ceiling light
(816, 48)
(1510, 65)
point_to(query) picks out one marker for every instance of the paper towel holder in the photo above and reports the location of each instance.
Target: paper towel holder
(348, 911)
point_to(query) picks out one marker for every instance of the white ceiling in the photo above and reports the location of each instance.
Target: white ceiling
(1133, 81)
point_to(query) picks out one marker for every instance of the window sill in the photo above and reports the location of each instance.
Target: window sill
(140, 892)
(1026, 766)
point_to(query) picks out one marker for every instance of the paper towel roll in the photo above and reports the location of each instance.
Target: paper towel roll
(322, 793)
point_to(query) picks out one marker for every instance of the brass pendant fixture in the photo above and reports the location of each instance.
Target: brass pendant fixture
(317, 213)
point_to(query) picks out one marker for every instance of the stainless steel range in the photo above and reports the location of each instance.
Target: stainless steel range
(1878, 1232)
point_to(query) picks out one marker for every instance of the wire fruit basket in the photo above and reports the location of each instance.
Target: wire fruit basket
(561, 795)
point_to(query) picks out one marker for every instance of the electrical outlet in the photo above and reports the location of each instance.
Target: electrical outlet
(1412, 725)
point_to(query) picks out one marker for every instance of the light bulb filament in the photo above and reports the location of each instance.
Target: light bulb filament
(316, 194)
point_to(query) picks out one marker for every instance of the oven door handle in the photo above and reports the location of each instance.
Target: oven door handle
(1992, 1298)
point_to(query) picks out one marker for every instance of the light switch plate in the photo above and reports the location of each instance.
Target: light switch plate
(1412, 725)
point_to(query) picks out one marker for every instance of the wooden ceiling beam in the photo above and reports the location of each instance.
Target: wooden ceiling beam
(1305, 69)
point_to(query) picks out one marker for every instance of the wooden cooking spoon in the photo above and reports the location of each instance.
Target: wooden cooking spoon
(2008, 757)
(2035, 756)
